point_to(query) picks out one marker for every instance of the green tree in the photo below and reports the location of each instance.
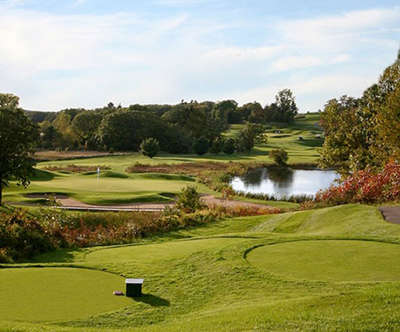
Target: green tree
(286, 106)
(217, 145)
(49, 136)
(62, 123)
(18, 136)
(388, 127)
(247, 137)
(229, 146)
(280, 156)
(150, 147)
(124, 130)
(363, 132)
(85, 126)
(201, 145)
(188, 199)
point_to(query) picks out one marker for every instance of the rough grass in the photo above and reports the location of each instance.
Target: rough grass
(200, 279)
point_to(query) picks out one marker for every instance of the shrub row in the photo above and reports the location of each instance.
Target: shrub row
(366, 186)
(23, 235)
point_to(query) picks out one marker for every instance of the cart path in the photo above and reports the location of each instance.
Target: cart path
(391, 213)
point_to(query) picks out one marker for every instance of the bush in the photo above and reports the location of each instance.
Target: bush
(22, 237)
(229, 146)
(201, 145)
(150, 147)
(188, 200)
(217, 145)
(280, 156)
(365, 186)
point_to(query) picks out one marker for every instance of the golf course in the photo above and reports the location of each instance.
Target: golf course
(326, 269)
(294, 269)
(115, 185)
(199, 166)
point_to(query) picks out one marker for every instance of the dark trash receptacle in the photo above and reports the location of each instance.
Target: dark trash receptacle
(134, 287)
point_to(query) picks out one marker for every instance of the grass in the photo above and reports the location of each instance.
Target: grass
(24, 289)
(331, 260)
(330, 269)
(116, 186)
(112, 188)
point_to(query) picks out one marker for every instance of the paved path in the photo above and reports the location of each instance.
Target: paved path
(391, 213)
(69, 203)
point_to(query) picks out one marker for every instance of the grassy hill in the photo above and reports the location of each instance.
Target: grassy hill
(331, 269)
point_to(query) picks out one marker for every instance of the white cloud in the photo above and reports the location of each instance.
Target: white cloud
(56, 61)
(339, 31)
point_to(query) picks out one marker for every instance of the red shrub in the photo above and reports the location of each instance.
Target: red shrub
(365, 186)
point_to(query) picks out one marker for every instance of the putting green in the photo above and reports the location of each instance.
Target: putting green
(57, 294)
(330, 260)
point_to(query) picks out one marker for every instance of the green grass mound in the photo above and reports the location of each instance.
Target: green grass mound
(329, 260)
(57, 294)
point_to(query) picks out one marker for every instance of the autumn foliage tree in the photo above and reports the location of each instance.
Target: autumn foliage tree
(364, 132)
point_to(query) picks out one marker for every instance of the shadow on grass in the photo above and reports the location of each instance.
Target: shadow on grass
(57, 256)
(154, 301)
(42, 175)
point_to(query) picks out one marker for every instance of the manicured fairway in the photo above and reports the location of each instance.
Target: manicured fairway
(329, 260)
(157, 252)
(54, 294)
(330, 269)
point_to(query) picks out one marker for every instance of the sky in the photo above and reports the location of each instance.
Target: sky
(57, 54)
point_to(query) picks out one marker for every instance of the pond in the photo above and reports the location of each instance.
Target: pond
(284, 182)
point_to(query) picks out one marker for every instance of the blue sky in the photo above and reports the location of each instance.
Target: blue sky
(58, 54)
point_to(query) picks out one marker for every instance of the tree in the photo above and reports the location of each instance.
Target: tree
(201, 145)
(229, 146)
(388, 127)
(342, 144)
(85, 125)
(49, 136)
(188, 199)
(364, 133)
(18, 136)
(247, 136)
(217, 145)
(124, 130)
(150, 147)
(284, 109)
(63, 125)
(280, 156)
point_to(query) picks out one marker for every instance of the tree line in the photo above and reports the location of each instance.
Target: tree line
(183, 128)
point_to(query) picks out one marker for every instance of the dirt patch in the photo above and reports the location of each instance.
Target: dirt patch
(75, 168)
(391, 213)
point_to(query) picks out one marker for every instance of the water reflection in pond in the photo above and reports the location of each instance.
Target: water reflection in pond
(282, 182)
